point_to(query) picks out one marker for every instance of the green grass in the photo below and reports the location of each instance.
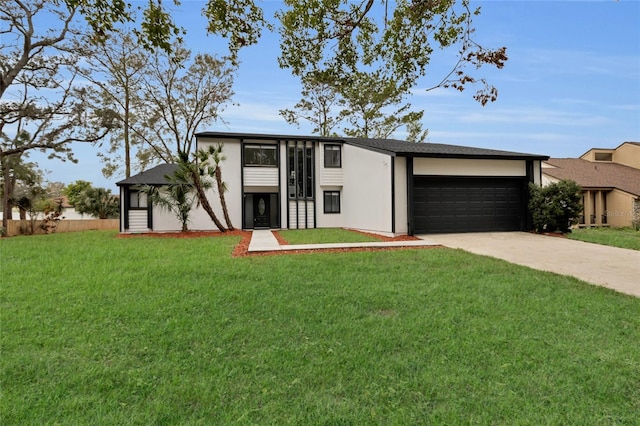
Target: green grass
(100, 330)
(618, 237)
(324, 236)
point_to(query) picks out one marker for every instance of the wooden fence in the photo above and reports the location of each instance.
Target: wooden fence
(23, 227)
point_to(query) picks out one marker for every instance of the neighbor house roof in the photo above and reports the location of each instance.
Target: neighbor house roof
(391, 146)
(154, 176)
(595, 174)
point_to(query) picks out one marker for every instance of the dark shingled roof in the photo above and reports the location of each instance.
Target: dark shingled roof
(595, 174)
(154, 176)
(410, 149)
(391, 146)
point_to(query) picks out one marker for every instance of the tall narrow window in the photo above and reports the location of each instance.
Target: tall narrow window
(332, 156)
(332, 201)
(292, 172)
(300, 171)
(300, 160)
(309, 172)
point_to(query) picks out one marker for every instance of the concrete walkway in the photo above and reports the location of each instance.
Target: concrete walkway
(264, 240)
(611, 267)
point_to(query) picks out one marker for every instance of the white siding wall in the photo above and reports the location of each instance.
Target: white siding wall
(332, 176)
(537, 178)
(297, 217)
(261, 176)
(329, 176)
(137, 221)
(231, 169)
(366, 195)
(401, 195)
(468, 167)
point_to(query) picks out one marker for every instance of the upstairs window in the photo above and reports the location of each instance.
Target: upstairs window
(332, 156)
(603, 156)
(137, 200)
(261, 155)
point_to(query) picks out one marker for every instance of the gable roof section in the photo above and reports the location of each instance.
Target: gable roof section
(391, 146)
(154, 176)
(595, 175)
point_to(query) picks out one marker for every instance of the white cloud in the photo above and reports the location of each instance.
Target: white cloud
(577, 62)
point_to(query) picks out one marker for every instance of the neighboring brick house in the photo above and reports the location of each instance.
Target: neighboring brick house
(610, 180)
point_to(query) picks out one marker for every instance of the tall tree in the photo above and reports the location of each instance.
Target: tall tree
(318, 104)
(374, 107)
(180, 95)
(198, 173)
(360, 43)
(203, 160)
(117, 70)
(41, 105)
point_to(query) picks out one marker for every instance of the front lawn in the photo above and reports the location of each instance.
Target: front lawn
(325, 236)
(618, 237)
(102, 330)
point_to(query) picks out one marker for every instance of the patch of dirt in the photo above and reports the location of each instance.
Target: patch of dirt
(241, 253)
(281, 240)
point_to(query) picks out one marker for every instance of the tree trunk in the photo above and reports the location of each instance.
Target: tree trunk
(127, 143)
(223, 202)
(205, 202)
(6, 205)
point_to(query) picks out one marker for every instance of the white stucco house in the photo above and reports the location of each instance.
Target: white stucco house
(385, 186)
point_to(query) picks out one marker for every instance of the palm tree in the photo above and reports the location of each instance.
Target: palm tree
(194, 173)
(178, 196)
(98, 202)
(215, 154)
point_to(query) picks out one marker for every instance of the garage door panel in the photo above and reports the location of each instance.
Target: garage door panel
(445, 204)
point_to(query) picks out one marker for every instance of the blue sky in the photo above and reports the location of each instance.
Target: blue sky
(572, 82)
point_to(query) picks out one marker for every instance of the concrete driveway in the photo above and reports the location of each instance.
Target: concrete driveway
(610, 267)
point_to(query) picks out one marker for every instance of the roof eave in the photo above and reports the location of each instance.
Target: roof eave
(475, 156)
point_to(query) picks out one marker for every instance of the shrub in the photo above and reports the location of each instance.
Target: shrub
(555, 207)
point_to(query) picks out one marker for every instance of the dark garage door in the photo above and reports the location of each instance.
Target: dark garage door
(463, 204)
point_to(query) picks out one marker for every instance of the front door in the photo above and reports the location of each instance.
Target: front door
(261, 211)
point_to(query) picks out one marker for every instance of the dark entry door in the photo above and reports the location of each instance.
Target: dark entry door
(261, 214)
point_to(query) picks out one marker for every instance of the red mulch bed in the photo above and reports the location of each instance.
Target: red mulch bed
(281, 240)
(242, 248)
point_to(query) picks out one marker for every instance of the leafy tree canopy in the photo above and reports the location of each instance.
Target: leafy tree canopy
(98, 202)
(74, 190)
